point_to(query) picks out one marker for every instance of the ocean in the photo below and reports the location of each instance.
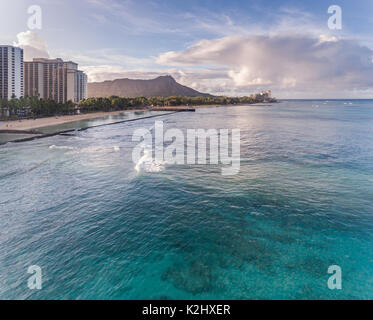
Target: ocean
(99, 229)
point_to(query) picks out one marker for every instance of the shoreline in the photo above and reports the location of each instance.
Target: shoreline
(38, 123)
(68, 131)
(32, 124)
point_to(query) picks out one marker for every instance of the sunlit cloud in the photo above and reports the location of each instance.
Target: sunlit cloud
(325, 64)
(34, 46)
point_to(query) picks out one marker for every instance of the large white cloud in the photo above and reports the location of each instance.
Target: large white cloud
(324, 66)
(34, 46)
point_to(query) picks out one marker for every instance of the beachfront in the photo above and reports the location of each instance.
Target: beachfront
(31, 124)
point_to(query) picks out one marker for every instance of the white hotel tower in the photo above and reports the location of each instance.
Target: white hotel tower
(11, 72)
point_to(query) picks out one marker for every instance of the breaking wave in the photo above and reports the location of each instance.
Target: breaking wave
(148, 164)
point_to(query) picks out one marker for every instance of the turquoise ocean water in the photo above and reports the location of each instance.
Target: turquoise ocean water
(99, 229)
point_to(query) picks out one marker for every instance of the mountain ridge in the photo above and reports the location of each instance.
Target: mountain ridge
(162, 86)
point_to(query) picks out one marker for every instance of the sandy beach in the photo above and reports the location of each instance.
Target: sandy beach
(31, 124)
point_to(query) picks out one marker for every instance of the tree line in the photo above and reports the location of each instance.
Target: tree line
(34, 107)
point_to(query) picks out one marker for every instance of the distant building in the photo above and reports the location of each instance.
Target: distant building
(55, 79)
(264, 95)
(11, 72)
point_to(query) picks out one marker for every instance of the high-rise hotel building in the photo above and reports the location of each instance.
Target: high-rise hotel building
(55, 79)
(11, 72)
(76, 82)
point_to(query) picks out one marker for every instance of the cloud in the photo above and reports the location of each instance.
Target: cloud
(109, 72)
(33, 45)
(103, 56)
(301, 63)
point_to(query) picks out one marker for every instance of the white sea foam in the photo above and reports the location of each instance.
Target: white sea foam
(90, 149)
(61, 147)
(148, 164)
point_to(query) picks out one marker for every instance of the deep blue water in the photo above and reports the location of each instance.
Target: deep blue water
(303, 201)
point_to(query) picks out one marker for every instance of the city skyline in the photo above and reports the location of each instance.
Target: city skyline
(45, 78)
(210, 46)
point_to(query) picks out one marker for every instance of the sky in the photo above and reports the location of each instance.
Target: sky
(234, 47)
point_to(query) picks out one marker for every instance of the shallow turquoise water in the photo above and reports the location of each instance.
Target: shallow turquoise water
(99, 229)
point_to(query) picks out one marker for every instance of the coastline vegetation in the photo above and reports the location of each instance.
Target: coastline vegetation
(34, 107)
